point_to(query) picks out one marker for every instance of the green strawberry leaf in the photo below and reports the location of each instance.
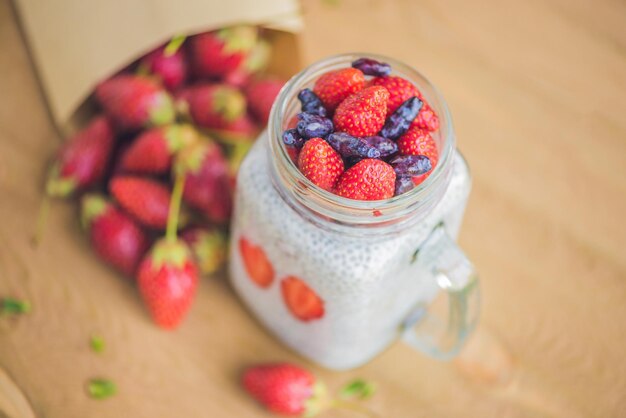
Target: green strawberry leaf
(101, 388)
(97, 343)
(358, 388)
(11, 306)
(174, 45)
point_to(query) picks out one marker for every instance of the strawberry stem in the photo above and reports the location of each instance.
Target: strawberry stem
(352, 406)
(42, 219)
(172, 217)
(174, 45)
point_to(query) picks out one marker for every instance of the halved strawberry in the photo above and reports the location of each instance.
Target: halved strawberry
(368, 179)
(301, 300)
(320, 163)
(335, 86)
(257, 265)
(362, 114)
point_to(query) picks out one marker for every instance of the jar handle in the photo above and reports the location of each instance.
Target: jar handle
(435, 335)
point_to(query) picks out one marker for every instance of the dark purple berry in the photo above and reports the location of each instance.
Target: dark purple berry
(370, 66)
(400, 120)
(292, 138)
(349, 146)
(314, 126)
(311, 103)
(350, 161)
(411, 165)
(404, 184)
(386, 146)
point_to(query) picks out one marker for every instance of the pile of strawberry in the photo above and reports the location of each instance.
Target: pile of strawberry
(170, 134)
(363, 134)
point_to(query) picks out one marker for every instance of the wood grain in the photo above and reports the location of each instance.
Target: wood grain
(537, 92)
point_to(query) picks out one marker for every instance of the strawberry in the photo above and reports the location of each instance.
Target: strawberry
(207, 179)
(301, 300)
(134, 101)
(208, 245)
(362, 114)
(255, 61)
(320, 163)
(82, 160)
(257, 265)
(117, 239)
(285, 389)
(426, 118)
(169, 67)
(400, 90)
(243, 128)
(152, 151)
(368, 179)
(261, 95)
(215, 54)
(417, 141)
(168, 279)
(212, 105)
(147, 200)
(335, 86)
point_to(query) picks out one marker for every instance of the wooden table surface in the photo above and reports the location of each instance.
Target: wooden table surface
(537, 90)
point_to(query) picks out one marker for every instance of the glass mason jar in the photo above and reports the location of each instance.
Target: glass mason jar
(339, 280)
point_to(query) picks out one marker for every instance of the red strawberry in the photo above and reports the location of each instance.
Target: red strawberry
(301, 300)
(152, 151)
(362, 114)
(207, 180)
(241, 129)
(82, 160)
(168, 279)
(208, 246)
(135, 101)
(170, 68)
(212, 105)
(320, 163)
(147, 200)
(417, 141)
(285, 389)
(214, 54)
(368, 179)
(117, 239)
(257, 265)
(426, 118)
(400, 90)
(261, 95)
(335, 86)
(255, 61)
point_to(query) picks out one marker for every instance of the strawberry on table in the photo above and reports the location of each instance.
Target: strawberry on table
(301, 300)
(261, 94)
(368, 179)
(285, 389)
(256, 263)
(134, 101)
(215, 54)
(82, 160)
(335, 86)
(116, 238)
(145, 199)
(363, 113)
(213, 106)
(207, 179)
(320, 163)
(152, 151)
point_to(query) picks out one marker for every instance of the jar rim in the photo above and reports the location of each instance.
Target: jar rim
(339, 208)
